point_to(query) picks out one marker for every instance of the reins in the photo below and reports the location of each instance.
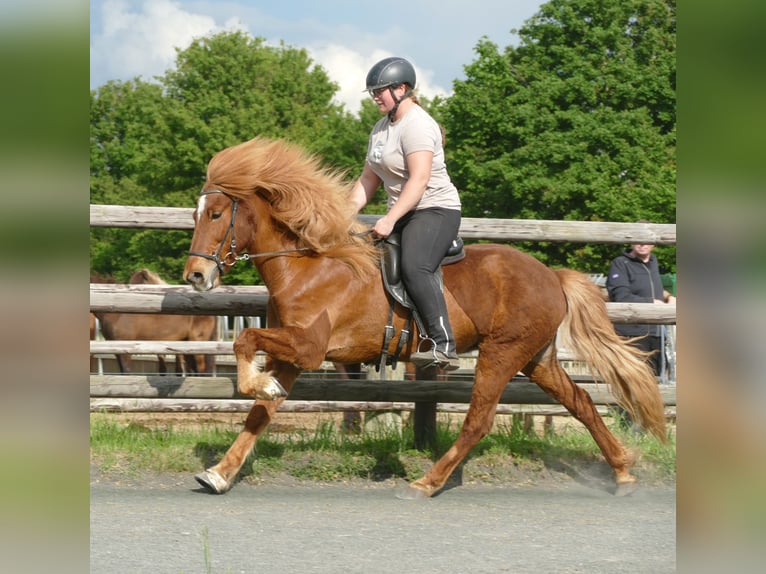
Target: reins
(231, 256)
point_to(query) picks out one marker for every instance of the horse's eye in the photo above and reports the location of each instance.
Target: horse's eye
(215, 215)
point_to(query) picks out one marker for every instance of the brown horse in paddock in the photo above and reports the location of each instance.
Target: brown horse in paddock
(160, 327)
(272, 203)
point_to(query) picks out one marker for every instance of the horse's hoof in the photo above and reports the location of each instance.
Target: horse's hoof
(272, 391)
(626, 488)
(409, 492)
(212, 482)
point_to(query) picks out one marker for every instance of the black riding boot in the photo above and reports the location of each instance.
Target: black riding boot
(437, 345)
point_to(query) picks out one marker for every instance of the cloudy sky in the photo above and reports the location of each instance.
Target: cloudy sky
(130, 38)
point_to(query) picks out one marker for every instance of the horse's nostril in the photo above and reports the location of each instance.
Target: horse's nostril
(194, 277)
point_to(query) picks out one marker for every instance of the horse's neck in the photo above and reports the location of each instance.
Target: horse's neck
(266, 236)
(287, 271)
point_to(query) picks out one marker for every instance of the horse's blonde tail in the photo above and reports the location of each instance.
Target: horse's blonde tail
(587, 330)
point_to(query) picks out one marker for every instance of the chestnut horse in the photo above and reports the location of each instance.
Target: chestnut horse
(160, 327)
(273, 203)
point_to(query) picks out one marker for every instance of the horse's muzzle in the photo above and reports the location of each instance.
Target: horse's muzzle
(203, 280)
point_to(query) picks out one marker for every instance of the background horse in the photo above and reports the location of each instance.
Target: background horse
(296, 223)
(160, 327)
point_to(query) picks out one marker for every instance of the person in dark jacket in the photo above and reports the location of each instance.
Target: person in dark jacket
(634, 277)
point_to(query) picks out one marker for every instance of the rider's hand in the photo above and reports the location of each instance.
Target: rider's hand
(383, 228)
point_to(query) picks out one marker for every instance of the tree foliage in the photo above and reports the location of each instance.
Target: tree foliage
(576, 123)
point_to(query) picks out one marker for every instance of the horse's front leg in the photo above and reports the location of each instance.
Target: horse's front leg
(220, 478)
(303, 347)
(290, 350)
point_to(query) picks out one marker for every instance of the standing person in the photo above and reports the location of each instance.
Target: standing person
(406, 154)
(634, 277)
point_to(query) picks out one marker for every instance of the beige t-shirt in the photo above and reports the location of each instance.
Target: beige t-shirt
(387, 150)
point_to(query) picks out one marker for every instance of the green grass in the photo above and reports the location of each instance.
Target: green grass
(327, 454)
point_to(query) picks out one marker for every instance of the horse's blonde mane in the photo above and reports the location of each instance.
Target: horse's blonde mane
(311, 201)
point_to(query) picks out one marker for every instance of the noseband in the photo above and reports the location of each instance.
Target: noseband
(231, 256)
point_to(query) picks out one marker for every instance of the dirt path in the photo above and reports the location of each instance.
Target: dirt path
(167, 524)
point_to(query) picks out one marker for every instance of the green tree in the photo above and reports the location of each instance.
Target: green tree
(150, 143)
(576, 123)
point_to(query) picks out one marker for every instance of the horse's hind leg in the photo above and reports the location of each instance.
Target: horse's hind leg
(124, 363)
(220, 478)
(554, 380)
(490, 382)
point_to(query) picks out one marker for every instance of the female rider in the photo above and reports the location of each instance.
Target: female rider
(406, 154)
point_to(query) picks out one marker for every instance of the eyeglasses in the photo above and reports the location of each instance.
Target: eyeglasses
(376, 93)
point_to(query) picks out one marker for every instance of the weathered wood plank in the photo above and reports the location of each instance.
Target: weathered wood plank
(162, 347)
(116, 404)
(129, 216)
(518, 391)
(178, 299)
(252, 300)
(567, 231)
(470, 228)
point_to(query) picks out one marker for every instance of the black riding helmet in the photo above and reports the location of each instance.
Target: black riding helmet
(390, 73)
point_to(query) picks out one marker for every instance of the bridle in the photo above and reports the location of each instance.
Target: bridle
(231, 256)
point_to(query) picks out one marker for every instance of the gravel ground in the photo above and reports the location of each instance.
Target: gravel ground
(167, 524)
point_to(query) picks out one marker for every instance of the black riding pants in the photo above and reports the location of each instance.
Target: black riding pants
(426, 235)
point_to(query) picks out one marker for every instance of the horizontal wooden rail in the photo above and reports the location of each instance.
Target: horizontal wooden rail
(162, 347)
(123, 405)
(518, 391)
(251, 301)
(131, 405)
(241, 300)
(126, 216)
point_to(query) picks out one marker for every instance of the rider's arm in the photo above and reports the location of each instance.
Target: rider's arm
(364, 188)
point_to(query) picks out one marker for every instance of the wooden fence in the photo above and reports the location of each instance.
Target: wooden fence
(190, 394)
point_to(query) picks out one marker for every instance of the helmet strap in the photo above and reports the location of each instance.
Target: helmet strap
(406, 95)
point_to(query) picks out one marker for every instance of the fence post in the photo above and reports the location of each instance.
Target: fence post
(384, 421)
(424, 416)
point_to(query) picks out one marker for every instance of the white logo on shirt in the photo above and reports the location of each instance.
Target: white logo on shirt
(377, 152)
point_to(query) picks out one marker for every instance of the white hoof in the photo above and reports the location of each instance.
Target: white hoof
(272, 391)
(212, 481)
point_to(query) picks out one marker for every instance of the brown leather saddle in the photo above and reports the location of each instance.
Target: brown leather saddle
(390, 267)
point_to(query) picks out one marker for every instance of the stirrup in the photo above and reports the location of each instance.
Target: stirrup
(432, 357)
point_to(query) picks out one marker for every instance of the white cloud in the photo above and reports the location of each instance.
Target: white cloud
(143, 43)
(132, 38)
(345, 67)
(349, 69)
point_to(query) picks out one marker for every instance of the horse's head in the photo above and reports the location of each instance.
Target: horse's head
(217, 237)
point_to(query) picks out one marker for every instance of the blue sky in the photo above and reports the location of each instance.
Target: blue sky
(130, 38)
